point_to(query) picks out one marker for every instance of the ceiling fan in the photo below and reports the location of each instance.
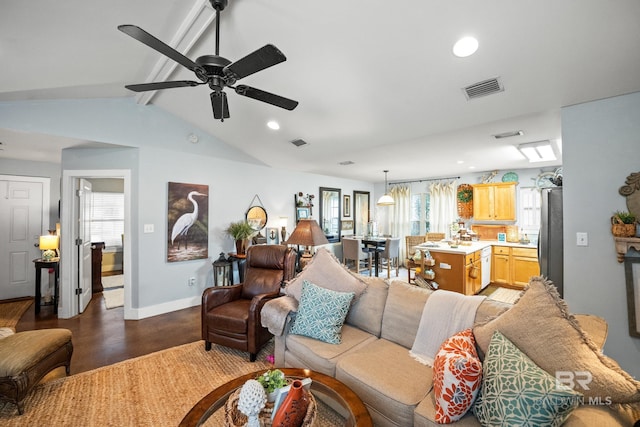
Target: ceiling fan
(214, 70)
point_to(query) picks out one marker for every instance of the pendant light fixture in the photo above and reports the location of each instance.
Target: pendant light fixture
(386, 199)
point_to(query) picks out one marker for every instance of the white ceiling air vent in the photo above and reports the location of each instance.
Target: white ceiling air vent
(483, 88)
(346, 163)
(299, 142)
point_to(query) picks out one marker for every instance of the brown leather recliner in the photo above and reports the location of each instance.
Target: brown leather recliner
(231, 314)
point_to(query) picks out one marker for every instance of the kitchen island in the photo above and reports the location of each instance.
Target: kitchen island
(459, 269)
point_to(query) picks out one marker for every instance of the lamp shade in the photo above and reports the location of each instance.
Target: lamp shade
(386, 200)
(48, 242)
(307, 233)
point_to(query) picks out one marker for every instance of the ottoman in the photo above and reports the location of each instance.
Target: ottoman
(26, 357)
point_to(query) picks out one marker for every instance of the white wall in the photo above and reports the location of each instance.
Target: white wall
(601, 147)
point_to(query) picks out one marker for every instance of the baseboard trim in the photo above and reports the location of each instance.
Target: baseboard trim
(165, 307)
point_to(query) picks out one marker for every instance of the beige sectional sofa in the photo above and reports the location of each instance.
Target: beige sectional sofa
(373, 358)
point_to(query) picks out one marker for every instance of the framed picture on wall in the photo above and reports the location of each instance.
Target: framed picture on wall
(273, 235)
(302, 213)
(346, 206)
(347, 225)
(187, 222)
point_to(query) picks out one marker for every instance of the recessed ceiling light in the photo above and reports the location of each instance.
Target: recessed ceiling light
(460, 162)
(464, 47)
(472, 167)
(273, 125)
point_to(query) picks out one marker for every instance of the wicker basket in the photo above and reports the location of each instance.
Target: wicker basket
(234, 418)
(620, 229)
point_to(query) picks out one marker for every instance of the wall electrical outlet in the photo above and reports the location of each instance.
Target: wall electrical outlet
(192, 281)
(582, 239)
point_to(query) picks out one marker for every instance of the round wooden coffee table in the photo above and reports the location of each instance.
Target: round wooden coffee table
(324, 388)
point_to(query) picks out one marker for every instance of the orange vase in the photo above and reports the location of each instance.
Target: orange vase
(293, 408)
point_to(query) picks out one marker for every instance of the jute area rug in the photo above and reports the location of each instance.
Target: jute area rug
(505, 295)
(11, 311)
(153, 390)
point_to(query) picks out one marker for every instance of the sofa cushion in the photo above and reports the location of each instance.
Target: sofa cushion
(320, 356)
(321, 313)
(326, 271)
(402, 312)
(389, 381)
(515, 391)
(366, 311)
(457, 375)
(540, 325)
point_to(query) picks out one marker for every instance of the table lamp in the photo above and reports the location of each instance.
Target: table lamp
(307, 233)
(48, 244)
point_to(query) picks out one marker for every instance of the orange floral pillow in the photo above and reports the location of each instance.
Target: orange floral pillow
(457, 376)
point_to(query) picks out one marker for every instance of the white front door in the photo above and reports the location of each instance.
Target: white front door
(21, 222)
(84, 244)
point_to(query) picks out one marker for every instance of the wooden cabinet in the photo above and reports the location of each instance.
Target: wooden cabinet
(514, 266)
(495, 201)
(501, 266)
(524, 265)
(453, 272)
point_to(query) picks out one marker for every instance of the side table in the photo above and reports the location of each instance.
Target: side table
(240, 261)
(40, 264)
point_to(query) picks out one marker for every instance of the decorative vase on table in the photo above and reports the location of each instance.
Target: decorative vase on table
(241, 246)
(293, 408)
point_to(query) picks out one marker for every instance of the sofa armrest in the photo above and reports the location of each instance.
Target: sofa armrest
(275, 313)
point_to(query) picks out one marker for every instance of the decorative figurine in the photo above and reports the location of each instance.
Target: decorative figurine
(251, 401)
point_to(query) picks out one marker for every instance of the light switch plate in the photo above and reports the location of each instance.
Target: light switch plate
(148, 228)
(582, 239)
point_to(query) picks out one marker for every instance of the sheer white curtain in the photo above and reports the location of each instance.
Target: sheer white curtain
(401, 213)
(443, 209)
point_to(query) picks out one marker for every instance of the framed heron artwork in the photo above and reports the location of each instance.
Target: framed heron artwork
(187, 222)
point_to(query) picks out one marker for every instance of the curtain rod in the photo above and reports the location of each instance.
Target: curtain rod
(423, 180)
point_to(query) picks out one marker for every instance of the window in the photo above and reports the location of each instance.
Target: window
(107, 218)
(419, 214)
(529, 209)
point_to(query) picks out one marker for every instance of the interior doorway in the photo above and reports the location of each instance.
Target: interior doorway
(69, 235)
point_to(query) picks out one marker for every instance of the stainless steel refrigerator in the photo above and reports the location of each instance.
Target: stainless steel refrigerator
(550, 242)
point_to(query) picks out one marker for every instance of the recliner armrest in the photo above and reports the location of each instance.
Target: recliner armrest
(275, 313)
(213, 297)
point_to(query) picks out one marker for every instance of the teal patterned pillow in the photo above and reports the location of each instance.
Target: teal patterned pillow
(515, 391)
(321, 313)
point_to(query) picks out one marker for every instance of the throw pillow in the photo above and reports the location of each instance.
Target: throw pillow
(457, 375)
(321, 313)
(515, 391)
(540, 325)
(326, 271)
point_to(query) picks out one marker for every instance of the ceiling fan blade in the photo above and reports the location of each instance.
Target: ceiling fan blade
(219, 105)
(143, 87)
(265, 57)
(269, 98)
(146, 38)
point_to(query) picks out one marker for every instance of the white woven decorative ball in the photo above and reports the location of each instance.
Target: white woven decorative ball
(251, 401)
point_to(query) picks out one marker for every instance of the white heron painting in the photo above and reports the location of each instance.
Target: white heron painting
(188, 222)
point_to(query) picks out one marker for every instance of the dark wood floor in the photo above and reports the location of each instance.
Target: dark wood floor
(102, 337)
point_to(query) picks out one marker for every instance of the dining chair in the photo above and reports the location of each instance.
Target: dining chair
(435, 237)
(390, 255)
(352, 251)
(411, 243)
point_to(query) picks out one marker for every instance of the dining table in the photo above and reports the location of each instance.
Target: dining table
(375, 245)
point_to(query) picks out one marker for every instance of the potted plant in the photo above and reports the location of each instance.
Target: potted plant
(623, 224)
(240, 231)
(272, 380)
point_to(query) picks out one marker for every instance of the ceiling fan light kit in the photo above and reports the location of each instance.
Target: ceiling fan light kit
(214, 70)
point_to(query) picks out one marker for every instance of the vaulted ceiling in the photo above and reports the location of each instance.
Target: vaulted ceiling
(376, 81)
